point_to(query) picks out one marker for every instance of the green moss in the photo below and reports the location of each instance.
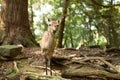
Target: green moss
(10, 50)
(9, 46)
(9, 71)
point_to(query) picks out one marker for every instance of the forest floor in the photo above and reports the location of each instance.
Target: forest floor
(31, 61)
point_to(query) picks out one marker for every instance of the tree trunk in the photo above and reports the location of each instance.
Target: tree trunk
(62, 25)
(113, 35)
(14, 20)
(31, 17)
(71, 40)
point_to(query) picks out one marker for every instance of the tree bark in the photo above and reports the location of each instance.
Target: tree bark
(14, 20)
(31, 17)
(62, 25)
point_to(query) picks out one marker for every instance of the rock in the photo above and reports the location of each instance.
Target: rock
(10, 51)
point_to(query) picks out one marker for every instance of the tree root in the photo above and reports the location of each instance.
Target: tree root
(86, 71)
(42, 67)
(42, 77)
(97, 58)
(85, 67)
(31, 75)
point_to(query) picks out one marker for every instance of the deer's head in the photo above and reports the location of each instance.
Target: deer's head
(53, 25)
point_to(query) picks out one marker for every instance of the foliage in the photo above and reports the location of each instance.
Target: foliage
(88, 22)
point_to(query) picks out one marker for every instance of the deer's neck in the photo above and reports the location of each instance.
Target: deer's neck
(51, 34)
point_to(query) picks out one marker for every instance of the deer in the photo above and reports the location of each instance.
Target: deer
(48, 43)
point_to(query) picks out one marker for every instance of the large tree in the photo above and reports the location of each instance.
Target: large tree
(14, 26)
(62, 25)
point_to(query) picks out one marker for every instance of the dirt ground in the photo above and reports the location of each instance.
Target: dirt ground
(32, 60)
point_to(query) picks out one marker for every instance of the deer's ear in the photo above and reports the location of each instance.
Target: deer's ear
(47, 20)
(58, 21)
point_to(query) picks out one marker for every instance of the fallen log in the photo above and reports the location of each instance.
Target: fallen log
(87, 71)
(10, 51)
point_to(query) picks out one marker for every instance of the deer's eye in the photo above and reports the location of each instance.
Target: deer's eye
(56, 25)
(49, 24)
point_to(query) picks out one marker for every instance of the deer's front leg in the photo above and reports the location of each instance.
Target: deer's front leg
(46, 64)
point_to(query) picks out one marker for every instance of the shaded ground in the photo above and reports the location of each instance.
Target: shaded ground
(32, 60)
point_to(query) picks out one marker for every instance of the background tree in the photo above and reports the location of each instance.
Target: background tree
(62, 25)
(15, 23)
(88, 22)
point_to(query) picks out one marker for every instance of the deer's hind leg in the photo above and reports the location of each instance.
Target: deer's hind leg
(50, 66)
